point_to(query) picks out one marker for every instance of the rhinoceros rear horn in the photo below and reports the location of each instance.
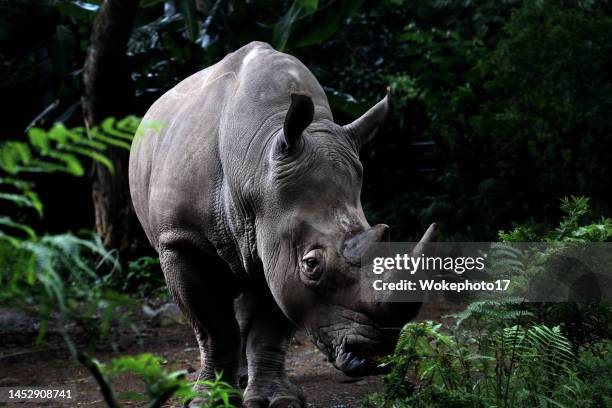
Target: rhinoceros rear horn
(299, 116)
(363, 129)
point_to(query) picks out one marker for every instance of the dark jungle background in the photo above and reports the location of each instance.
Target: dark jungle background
(501, 130)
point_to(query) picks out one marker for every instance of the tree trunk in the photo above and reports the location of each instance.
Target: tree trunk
(109, 92)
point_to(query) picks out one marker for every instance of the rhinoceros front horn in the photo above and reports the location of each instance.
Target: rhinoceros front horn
(299, 116)
(429, 235)
(355, 247)
(363, 129)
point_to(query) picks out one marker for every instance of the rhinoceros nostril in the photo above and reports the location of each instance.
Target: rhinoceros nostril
(352, 348)
(366, 350)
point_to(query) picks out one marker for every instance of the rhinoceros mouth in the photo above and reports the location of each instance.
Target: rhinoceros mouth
(357, 357)
(355, 344)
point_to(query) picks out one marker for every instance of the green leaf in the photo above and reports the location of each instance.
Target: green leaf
(38, 138)
(79, 10)
(188, 9)
(100, 158)
(283, 28)
(8, 222)
(150, 3)
(324, 23)
(100, 136)
(309, 6)
(72, 164)
(28, 200)
(12, 154)
(346, 103)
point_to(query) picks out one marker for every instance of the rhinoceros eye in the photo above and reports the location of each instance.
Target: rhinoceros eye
(311, 264)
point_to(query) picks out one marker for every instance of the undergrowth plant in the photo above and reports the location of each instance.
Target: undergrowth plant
(585, 323)
(578, 224)
(500, 366)
(512, 353)
(144, 278)
(158, 384)
(56, 277)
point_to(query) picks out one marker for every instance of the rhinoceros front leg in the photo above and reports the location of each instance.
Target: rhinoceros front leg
(245, 306)
(201, 286)
(267, 340)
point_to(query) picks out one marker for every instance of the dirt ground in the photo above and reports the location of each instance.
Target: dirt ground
(22, 365)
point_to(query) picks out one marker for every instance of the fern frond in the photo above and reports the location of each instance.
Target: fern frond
(57, 150)
(491, 310)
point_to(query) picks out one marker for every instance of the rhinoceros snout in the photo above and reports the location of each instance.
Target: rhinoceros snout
(358, 361)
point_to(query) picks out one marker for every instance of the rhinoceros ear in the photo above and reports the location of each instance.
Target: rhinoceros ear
(299, 116)
(363, 129)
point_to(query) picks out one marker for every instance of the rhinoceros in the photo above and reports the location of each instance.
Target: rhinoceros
(250, 193)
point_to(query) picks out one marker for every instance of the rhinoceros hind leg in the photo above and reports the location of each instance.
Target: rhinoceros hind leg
(245, 306)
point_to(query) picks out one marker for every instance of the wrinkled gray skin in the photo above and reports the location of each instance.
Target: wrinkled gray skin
(251, 195)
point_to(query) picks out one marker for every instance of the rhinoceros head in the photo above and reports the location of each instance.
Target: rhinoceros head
(314, 231)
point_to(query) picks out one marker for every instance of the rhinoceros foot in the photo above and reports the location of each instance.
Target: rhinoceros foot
(274, 394)
(235, 400)
(278, 402)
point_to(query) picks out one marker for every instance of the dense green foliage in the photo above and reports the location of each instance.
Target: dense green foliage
(501, 366)
(511, 354)
(59, 150)
(56, 275)
(578, 224)
(514, 95)
(585, 324)
(499, 361)
(499, 106)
